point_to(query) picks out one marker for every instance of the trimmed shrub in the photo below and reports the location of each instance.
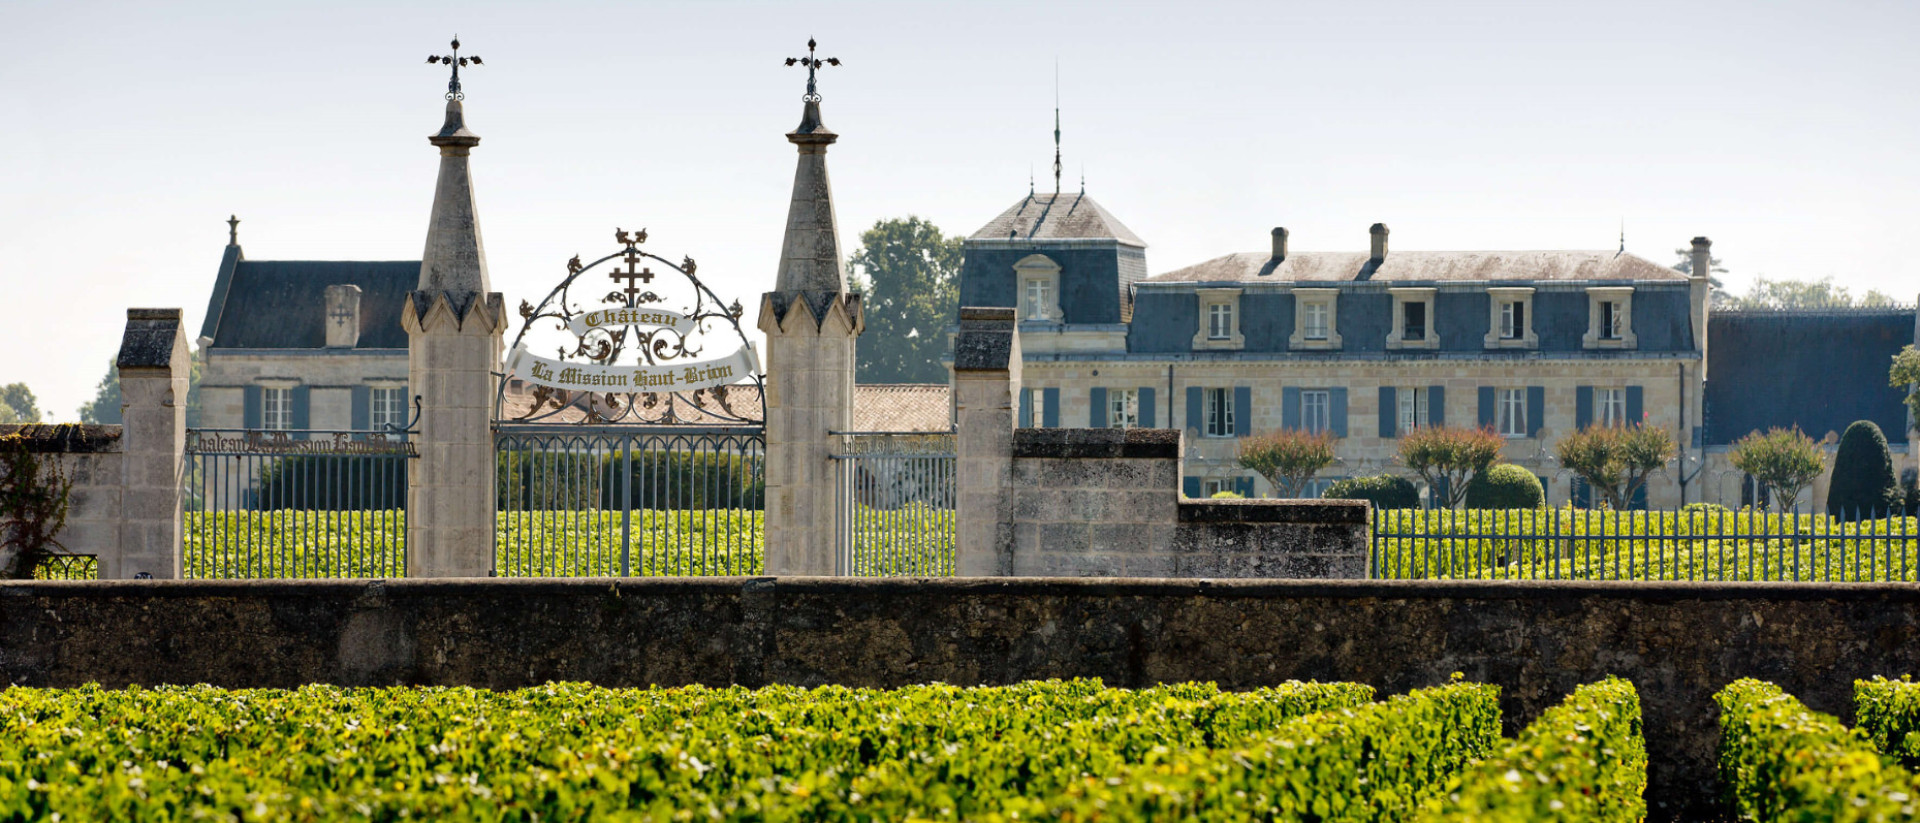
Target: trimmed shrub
(1288, 458)
(1585, 759)
(1384, 491)
(1447, 458)
(1226, 495)
(1505, 486)
(1784, 460)
(1781, 761)
(1705, 509)
(1910, 489)
(1863, 483)
(1888, 713)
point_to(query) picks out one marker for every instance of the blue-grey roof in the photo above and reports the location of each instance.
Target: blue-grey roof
(1057, 217)
(1425, 266)
(1819, 370)
(281, 304)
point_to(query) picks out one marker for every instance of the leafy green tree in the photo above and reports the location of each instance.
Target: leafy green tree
(1785, 460)
(1288, 458)
(1448, 458)
(1616, 460)
(1803, 294)
(1685, 265)
(19, 400)
(1905, 374)
(105, 405)
(1863, 484)
(909, 274)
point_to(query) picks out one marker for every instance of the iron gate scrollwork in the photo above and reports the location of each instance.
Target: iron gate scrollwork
(639, 449)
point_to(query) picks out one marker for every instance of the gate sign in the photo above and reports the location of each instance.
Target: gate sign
(738, 367)
(658, 318)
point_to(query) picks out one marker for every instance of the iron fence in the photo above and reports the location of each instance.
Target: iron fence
(1702, 545)
(68, 567)
(294, 504)
(602, 501)
(898, 492)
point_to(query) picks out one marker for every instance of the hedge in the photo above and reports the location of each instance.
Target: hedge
(1585, 759)
(1385, 491)
(1505, 486)
(1780, 761)
(1888, 713)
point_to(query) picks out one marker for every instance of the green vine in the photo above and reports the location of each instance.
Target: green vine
(34, 495)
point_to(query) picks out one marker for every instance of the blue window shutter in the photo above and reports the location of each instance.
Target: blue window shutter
(1581, 494)
(1636, 405)
(1437, 405)
(362, 408)
(302, 407)
(1190, 486)
(1242, 411)
(1488, 415)
(1582, 407)
(1194, 420)
(1146, 407)
(1639, 501)
(1699, 436)
(1290, 407)
(1389, 410)
(1243, 486)
(1536, 409)
(1337, 403)
(1026, 408)
(250, 403)
(1050, 416)
(1097, 408)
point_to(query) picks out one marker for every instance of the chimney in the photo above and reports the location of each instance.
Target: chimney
(343, 316)
(1279, 244)
(1702, 257)
(1379, 232)
(1700, 288)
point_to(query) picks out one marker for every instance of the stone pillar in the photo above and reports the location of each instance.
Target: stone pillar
(986, 381)
(454, 326)
(153, 369)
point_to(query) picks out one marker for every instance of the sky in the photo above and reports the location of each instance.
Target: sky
(1784, 131)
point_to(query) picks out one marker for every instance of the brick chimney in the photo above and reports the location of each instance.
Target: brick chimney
(1379, 232)
(1279, 244)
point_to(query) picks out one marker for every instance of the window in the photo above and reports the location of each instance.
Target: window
(1413, 408)
(387, 407)
(1414, 320)
(1035, 401)
(1218, 412)
(1214, 485)
(1610, 406)
(1039, 297)
(1219, 321)
(1038, 279)
(1513, 320)
(1123, 408)
(1316, 319)
(1315, 327)
(1513, 412)
(1511, 324)
(276, 408)
(1316, 410)
(1609, 320)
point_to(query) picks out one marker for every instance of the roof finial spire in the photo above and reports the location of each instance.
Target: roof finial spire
(1623, 236)
(1056, 126)
(454, 61)
(233, 230)
(813, 65)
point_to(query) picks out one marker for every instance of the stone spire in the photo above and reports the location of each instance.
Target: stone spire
(810, 257)
(454, 262)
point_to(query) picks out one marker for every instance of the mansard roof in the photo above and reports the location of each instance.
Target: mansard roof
(1424, 267)
(1067, 216)
(281, 304)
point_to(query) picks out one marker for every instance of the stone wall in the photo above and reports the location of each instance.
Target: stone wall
(1678, 642)
(89, 457)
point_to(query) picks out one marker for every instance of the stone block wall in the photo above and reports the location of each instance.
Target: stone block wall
(1297, 539)
(89, 457)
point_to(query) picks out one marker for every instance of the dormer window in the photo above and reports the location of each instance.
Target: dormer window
(1316, 319)
(1510, 325)
(1219, 320)
(1039, 283)
(1413, 320)
(1039, 297)
(1610, 318)
(1315, 325)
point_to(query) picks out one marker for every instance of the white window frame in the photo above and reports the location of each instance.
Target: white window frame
(1036, 400)
(1414, 411)
(276, 407)
(1499, 298)
(1402, 298)
(1620, 335)
(1219, 321)
(1329, 299)
(1123, 408)
(1041, 268)
(1214, 485)
(1216, 412)
(386, 404)
(1510, 418)
(1211, 300)
(1316, 410)
(1610, 406)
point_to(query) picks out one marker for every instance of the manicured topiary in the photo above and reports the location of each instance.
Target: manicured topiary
(1384, 491)
(1505, 486)
(1910, 489)
(1863, 481)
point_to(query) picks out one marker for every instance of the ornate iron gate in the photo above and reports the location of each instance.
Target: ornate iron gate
(635, 451)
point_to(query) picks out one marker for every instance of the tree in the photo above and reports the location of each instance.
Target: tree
(34, 494)
(1288, 458)
(1785, 460)
(909, 273)
(1803, 294)
(1863, 484)
(1616, 460)
(1448, 458)
(105, 405)
(1905, 374)
(19, 400)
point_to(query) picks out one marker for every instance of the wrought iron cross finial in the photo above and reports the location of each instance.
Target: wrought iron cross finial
(454, 61)
(233, 230)
(813, 65)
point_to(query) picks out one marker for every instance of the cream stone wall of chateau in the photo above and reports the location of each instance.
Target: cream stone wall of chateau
(330, 374)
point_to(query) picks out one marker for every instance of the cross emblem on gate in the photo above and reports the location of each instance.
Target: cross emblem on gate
(632, 259)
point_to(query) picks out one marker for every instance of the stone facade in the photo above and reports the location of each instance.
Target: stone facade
(153, 426)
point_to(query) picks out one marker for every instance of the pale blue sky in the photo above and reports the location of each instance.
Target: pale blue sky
(128, 133)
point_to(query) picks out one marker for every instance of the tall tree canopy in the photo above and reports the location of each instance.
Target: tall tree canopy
(1766, 293)
(105, 405)
(20, 404)
(910, 274)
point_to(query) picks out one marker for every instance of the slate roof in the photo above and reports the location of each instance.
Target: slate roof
(1074, 217)
(281, 304)
(1425, 266)
(1819, 370)
(892, 407)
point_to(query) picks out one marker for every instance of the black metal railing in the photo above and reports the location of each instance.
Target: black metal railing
(898, 493)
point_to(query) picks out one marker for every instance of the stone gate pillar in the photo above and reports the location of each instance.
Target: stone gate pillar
(986, 381)
(811, 323)
(153, 370)
(454, 324)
